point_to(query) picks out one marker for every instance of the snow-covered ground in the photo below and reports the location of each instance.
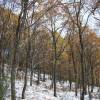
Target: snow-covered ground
(44, 92)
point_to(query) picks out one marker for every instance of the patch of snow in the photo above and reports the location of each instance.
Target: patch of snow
(44, 92)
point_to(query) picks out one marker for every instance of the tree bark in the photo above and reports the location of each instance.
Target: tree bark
(25, 82)
(82, 65)
(54, 66)
(13, 68)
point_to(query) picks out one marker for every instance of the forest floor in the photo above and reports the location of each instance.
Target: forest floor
(44, 92)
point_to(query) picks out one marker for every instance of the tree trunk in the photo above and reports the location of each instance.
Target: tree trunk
(70, 78)
(54, 67)
(82, 65)
(31, 76)
(13, 68)
(38, 80)
(43, 76)
(3, 74)
(25, 83)
(75, 71)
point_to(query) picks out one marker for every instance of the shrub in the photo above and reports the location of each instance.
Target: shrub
(3, 88)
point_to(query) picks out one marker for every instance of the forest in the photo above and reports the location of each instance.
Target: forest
(49, 49)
